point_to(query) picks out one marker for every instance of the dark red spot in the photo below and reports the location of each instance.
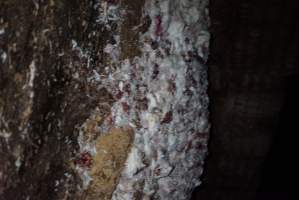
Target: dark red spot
(167, 118)
(84, 160)
(158, 22)
(158, 172)
(125, 106)
(119, 95)
(110, 120)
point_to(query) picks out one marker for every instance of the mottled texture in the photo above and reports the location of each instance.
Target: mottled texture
(163, 97)
(46, 93)
(81, 78)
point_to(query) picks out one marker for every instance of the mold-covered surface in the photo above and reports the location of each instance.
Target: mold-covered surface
(103, 99)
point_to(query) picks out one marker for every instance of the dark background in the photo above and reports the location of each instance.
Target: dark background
(254, 82)
(253, 90)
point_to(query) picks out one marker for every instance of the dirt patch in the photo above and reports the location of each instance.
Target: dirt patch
(112, 151)
(130, 28)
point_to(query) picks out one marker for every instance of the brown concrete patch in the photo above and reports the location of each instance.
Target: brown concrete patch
(112, 151)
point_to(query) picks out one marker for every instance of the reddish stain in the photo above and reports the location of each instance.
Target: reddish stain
(158, 22)
(84, 160)
(110, 120)
(125, 106)
(158, 172)
(167, 118)
(119, 95)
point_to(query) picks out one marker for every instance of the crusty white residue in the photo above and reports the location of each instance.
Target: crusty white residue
(162, 96)
(164, 99)
(32, 69)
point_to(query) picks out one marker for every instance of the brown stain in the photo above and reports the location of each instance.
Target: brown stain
(112, 151)
(90, 127)
(130, 28)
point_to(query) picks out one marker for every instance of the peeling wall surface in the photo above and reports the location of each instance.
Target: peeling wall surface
(103, 99)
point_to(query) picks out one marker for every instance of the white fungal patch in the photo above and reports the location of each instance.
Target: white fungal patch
(5, 134)
(81, 52)
(85, 177)
(162, 96)
(74, 44)
(170, 144)
(18, 163)
(32, 71)
(113, 52)
(107, 13)
(134, 162)
(3, 57)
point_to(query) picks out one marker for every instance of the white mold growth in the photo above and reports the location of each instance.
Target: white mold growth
(32, 71)
(3, 57)
(18, 163)
(162, 96)
(108, 12)
(166, 96)
(5, 134)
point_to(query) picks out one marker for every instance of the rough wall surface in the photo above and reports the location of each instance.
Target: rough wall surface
(103, 99)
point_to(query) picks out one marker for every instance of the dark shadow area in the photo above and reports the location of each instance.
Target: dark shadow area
(253, 87)
(278, 171)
